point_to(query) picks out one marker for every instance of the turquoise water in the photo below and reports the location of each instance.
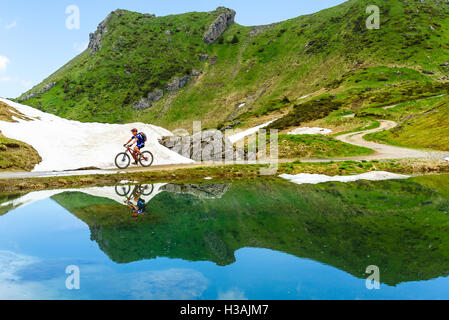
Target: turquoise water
(229, 241)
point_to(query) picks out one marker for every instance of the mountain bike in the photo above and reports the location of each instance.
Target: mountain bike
(123, 160)
(124, 190)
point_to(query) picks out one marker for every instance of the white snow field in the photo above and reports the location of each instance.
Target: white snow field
(307, 130)
(306, 178)
(69, 145)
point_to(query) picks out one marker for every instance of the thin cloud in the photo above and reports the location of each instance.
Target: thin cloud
(4, 61)
(11, 25)
(23, 83)
(232, 294)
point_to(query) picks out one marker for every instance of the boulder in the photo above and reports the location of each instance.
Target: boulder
(142, 104)
(156, 95)
(220, 25)
(177, 83)
(209, 145)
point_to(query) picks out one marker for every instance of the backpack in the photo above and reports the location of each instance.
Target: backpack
(144, 136)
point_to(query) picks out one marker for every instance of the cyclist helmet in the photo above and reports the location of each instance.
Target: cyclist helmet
(134, 130)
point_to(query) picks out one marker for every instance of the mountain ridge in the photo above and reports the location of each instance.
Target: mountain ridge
(257, 66)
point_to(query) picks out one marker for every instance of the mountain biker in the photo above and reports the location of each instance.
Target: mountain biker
(139, 138)
(140, 207)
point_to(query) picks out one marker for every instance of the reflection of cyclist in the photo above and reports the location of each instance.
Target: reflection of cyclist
(140, 207)
(138, 138)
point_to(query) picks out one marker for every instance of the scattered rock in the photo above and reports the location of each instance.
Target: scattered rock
(197, 73)
(156, 95)
(427, 72)
(177, 83)
(168, 32)
(142, 104)
(146, 103)
(220, 25)
(32, 95)
(213, 60)
(204, 57)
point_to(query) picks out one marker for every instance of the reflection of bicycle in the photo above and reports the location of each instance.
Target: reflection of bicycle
(123, 160)
(140, 190)
(125, 190)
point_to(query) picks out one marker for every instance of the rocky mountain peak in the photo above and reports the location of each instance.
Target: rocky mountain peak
(226, 18)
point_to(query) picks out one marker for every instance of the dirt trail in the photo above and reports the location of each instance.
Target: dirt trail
(384, 151)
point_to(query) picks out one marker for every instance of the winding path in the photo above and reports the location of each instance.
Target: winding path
(382, 151)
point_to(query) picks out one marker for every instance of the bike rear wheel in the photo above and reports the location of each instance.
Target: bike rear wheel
(146, 189)
(122, 161)
(146, 159)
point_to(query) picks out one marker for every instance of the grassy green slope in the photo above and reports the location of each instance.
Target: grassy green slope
(401, 226)
(426, 126)
(325, 52)
(15, 155)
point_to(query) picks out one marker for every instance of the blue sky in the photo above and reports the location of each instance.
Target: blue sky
(35, 41)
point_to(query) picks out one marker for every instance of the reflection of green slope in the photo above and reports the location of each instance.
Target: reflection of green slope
(5, 198)
(400, 226)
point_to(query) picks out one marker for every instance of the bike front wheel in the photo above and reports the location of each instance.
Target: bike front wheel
(122, 190)
(146, 159)
(122, 161)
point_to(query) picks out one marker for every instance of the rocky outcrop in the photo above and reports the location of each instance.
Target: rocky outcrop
(202, 191)
(177, 83)
(145, 103)
(156, 95)
(142, 104)
(95, 38)
(32, 95)
(220, 25)
(211, 145)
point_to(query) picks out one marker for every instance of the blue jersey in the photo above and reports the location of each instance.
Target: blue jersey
(140, 139)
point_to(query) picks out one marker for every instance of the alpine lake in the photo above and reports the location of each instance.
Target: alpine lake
(256, 240)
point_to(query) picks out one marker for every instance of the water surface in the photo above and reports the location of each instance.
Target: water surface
(241, 240)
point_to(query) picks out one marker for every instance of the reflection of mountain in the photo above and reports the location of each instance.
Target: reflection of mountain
(5, 202)
(400, 226)
(202, 191)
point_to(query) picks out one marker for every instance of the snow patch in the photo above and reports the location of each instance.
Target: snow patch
(68, 145)
(447, 159)
(306, 178)
(307, 130)
(239, 136)
(242, 105)
(301, 98)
